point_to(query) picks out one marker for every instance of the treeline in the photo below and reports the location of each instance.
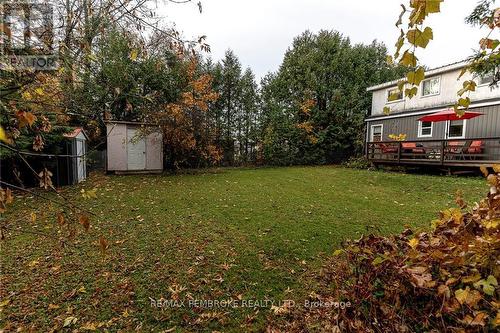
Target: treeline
(310, 111)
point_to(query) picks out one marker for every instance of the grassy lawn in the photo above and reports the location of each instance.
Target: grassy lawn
(246, 234)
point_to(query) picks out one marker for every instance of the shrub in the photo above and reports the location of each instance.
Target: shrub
(442, 280)
(358, 163)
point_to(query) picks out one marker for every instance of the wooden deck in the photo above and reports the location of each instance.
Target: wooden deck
(470, 152)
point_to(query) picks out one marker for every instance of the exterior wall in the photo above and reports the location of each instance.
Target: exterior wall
(116, 147)
(487, 125)
(117, 140)
(447, 96)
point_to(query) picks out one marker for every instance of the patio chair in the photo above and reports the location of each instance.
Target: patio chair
(475, 147)
(413, 148)
(387, 150)
(455, 150)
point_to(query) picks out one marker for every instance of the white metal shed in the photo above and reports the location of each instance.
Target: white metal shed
(133, 147)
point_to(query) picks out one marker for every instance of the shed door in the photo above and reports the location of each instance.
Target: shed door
(136, 151)
(80, 160)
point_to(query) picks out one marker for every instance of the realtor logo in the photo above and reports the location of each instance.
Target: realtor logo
(26, 35)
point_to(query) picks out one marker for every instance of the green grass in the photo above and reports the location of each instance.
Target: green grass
(252, 234)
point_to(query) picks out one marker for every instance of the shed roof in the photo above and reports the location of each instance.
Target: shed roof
(76, 131)
(129, 122)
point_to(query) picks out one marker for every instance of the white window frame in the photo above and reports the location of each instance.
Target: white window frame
(422, 86)
(447, 130)
(420, 135)
(396, 100)
(381, 132)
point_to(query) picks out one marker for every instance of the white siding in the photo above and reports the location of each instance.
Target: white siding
(447, 96)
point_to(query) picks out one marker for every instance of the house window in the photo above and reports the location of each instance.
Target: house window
(431, 87)
(425, 129)
(394, 95)
(376, 133)
(456, 129)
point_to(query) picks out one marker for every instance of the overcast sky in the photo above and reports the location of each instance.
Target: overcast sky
(260, 31)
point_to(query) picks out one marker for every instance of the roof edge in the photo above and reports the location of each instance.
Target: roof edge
(430, 72)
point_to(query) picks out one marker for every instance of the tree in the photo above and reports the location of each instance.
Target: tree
(105, 70)
(248, 118)
(321, 97)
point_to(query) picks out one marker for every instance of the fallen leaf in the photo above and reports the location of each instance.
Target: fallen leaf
(84, 221)
(69, 321)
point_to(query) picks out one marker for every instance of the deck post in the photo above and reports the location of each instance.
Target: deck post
(399, 152)
(442, 152)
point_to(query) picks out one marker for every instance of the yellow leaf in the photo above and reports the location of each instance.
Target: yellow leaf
(133, 54)
(484, 170)
(491, 224)
(82, 290)
(3, 136)
(496, 321)
(408, 59)
(53, 306)
(496, 168)
(461, 295)
(413, 243)
(89, 326)
(33, 263)
(33, 217)
(69, 321)
(5, 302)
(338, 252)
(471, 278)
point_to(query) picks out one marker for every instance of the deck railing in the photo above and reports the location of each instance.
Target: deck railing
(451, 152)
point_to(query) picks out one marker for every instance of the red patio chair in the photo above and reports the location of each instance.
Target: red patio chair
(388, 149)
(455, 148)
(476, 147)
(411, 147)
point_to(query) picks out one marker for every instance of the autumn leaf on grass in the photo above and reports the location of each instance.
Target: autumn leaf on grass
(488, 285)
(33, 263)
(134, 54)
(413, 243)
(89, 194)
(468, 296)
(60, 218)
(53, 306)
(103, 245)
(69, 321)
(478, 320)
(338, 252)
(5, 199)
(5, 302)
(84, 221)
